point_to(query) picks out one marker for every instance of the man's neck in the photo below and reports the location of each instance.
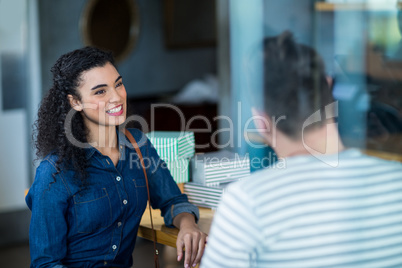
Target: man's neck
(324, 141)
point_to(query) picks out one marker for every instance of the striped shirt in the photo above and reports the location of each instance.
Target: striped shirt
(311, 214)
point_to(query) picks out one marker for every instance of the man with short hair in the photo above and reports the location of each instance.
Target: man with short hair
(330, 206)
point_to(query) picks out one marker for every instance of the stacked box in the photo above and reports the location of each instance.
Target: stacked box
(204, 196)
(172, 145)
(210, 175)
(179, 169)
(214, 168)
(176, 149)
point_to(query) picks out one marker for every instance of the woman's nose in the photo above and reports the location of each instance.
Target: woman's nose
(115, 97)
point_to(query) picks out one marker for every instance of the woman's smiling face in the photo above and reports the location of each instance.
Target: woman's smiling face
(102, 97)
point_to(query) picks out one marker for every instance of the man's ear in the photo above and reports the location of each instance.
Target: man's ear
(75, 103)
(330, 81)
(263, 124)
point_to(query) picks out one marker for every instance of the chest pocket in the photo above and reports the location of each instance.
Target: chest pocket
(141, 193)
(93, 210)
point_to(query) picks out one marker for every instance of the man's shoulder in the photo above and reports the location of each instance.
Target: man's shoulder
(254, 181)
(383, 161)
(308, 169)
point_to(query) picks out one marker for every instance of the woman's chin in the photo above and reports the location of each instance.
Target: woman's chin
(116, 121)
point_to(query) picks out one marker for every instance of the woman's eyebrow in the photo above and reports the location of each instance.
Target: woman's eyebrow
(98, 86)
(104, 85)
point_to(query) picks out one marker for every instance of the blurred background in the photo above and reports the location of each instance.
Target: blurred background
(204, 58)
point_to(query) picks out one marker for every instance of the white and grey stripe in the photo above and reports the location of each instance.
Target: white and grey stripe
(204, 196)
(214, 168)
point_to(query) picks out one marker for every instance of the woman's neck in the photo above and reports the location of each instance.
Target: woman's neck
(104, 138)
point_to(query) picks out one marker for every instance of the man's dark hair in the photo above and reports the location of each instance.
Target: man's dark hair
(295, 83)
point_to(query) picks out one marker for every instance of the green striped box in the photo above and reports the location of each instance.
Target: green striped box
(179, 169)
(172, 145)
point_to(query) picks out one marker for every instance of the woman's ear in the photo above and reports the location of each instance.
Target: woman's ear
(75, 103)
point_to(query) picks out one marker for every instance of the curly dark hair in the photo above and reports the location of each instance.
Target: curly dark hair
(49, 129)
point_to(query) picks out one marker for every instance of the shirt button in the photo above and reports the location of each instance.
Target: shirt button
(118, 178)
(125, 202)
(114, 247)
(119, 224)
(121, 146)
(105, 263)
(107, 161)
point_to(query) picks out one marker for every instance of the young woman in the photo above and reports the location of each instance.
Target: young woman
(89, 191)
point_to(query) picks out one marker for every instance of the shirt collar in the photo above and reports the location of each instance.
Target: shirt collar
(90, 150)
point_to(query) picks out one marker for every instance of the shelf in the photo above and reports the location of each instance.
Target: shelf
(330, 7)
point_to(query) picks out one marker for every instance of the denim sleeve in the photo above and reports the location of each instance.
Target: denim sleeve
(180, 208)
(165, 194)
(48, 201)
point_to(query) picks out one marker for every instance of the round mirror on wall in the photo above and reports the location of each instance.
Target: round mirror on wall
(111, 25)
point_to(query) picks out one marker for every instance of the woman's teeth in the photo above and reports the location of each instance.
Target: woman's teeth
(115, 110)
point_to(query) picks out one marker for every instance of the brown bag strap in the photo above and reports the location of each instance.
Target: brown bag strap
(137, 149)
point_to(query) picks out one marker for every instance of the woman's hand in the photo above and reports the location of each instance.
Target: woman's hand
(191, 238)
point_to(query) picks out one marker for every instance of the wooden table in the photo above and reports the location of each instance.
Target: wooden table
(165, 235)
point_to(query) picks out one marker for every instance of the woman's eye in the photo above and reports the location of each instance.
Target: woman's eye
(119, 84)
(100, 92)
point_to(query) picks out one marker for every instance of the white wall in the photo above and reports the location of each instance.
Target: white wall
(14, 174)
(13, 161)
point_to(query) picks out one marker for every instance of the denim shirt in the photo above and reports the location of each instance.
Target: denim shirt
(96, 225)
